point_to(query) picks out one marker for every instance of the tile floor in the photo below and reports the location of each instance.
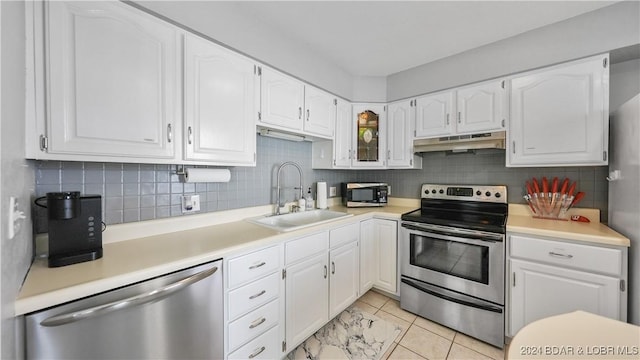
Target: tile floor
(423, 339)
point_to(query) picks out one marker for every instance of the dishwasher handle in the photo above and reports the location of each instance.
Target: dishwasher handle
(144, 298)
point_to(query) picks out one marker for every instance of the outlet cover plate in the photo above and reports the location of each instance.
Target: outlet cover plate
(190, 203)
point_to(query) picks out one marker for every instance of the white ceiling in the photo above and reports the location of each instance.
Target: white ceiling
(378, 38)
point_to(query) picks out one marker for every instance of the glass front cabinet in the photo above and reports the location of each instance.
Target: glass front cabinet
(369, 140)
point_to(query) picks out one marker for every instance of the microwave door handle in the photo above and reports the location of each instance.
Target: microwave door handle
(147, 297)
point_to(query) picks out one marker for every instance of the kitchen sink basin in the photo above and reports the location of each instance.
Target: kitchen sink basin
(298, 220)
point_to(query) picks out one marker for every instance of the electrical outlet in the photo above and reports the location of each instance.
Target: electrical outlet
(388, 190)
(15, 217)
(332, 191)
(190, 203)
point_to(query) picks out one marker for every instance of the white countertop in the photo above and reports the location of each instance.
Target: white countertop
(178, 243)
(576, 335)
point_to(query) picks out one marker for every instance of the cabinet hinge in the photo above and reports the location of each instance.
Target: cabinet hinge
(335, 101)
(385, 108)
(514, 279)
(604, 62)
(513, 147)
(284, 346)
(255, 70)
(503, 122)
(259, 71)
(259, 115)
(502, 84)
(414, 133)
(44, 143)
(623, 286)
(284, 273)
(410, 162)
(604, 156)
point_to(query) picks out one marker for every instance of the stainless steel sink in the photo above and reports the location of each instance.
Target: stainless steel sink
(298, 220)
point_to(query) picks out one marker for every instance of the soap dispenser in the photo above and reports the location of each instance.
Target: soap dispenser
(309, 200)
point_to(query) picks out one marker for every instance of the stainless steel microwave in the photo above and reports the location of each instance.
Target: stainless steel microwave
(364, 194)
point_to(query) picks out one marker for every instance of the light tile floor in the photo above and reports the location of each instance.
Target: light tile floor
(423, 339)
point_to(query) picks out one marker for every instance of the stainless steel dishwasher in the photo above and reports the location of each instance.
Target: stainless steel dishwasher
(175, 316)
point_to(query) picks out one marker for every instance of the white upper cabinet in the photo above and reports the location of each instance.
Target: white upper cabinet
(320, 112)
(219, 104)
(400, 123)
(342, 140)
(369, 135)
(281, 100)
(434, 115)
(560, 115)
(113, 82)
(481, 107)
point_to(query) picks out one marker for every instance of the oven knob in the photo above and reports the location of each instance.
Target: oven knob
(426, 191)
(441, 191)
(433, 191)
(487, 193)
(498, 195)
(478, 192)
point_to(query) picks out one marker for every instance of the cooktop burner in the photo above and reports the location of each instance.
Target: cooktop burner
(476, 207)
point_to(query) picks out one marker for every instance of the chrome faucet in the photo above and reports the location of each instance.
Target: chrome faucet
(278, 182)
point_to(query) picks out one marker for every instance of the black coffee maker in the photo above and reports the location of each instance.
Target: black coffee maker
(75, 227)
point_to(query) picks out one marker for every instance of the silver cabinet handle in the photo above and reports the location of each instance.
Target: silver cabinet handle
(503, 122)
(447, 119)
(307, 114)
(257, 323)
(299, 112)
(169, 133)
(258, 294)
(458, 117)
(147, 297)
(189, 135)
(257, 352)
(566, 256)
(389, 154)
(257, 265)
(325, 271)
(333, 267)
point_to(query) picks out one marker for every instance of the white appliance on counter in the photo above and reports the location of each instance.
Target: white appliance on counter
(624, 194)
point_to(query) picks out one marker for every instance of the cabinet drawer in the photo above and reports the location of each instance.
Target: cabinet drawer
(253, 295)
(583, 257)
(253, 324)
(252, 266)
(265, 346)
(306, 246)
(344, 235)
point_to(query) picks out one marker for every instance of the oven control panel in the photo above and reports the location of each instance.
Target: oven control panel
(484, 193)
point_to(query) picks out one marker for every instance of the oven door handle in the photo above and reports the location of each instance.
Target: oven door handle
(462, 233)
(451, 298)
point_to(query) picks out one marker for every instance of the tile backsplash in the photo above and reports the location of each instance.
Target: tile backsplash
(135, 192)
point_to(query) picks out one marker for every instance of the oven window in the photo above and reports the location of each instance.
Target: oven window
(455, 258)
(362, 194)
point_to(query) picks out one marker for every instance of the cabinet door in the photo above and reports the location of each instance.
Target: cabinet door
(219, 98)
(369, 136)
(400, 135)
(343, 135)
(367, 256)
(434, 115)
(344, 280)
(560, 116)
(307, 298)
(481, 107)
(386, 235)
(113, 81)
(540, 291)
(281, 100)
(320, 112)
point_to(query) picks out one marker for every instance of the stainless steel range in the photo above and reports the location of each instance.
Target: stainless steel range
(452, 259)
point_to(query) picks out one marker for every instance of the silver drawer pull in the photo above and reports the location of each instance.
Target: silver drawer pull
(258, 294)
(257, 323)
(257, 266)
(257, 352)
(560, 255)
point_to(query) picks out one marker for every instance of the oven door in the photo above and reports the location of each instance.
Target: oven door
(467, 261)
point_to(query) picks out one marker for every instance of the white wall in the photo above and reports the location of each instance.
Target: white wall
(224, 22)
(17, 175)
(369, 89)
(624, 78)
(609, 28)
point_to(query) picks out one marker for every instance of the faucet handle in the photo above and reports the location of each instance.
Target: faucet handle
(295, 208)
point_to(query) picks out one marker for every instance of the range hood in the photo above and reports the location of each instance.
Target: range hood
(461, 143)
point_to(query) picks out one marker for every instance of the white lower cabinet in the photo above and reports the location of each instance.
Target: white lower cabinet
(320, 283)
(255, 303)
(378, 255)
(549, 277)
